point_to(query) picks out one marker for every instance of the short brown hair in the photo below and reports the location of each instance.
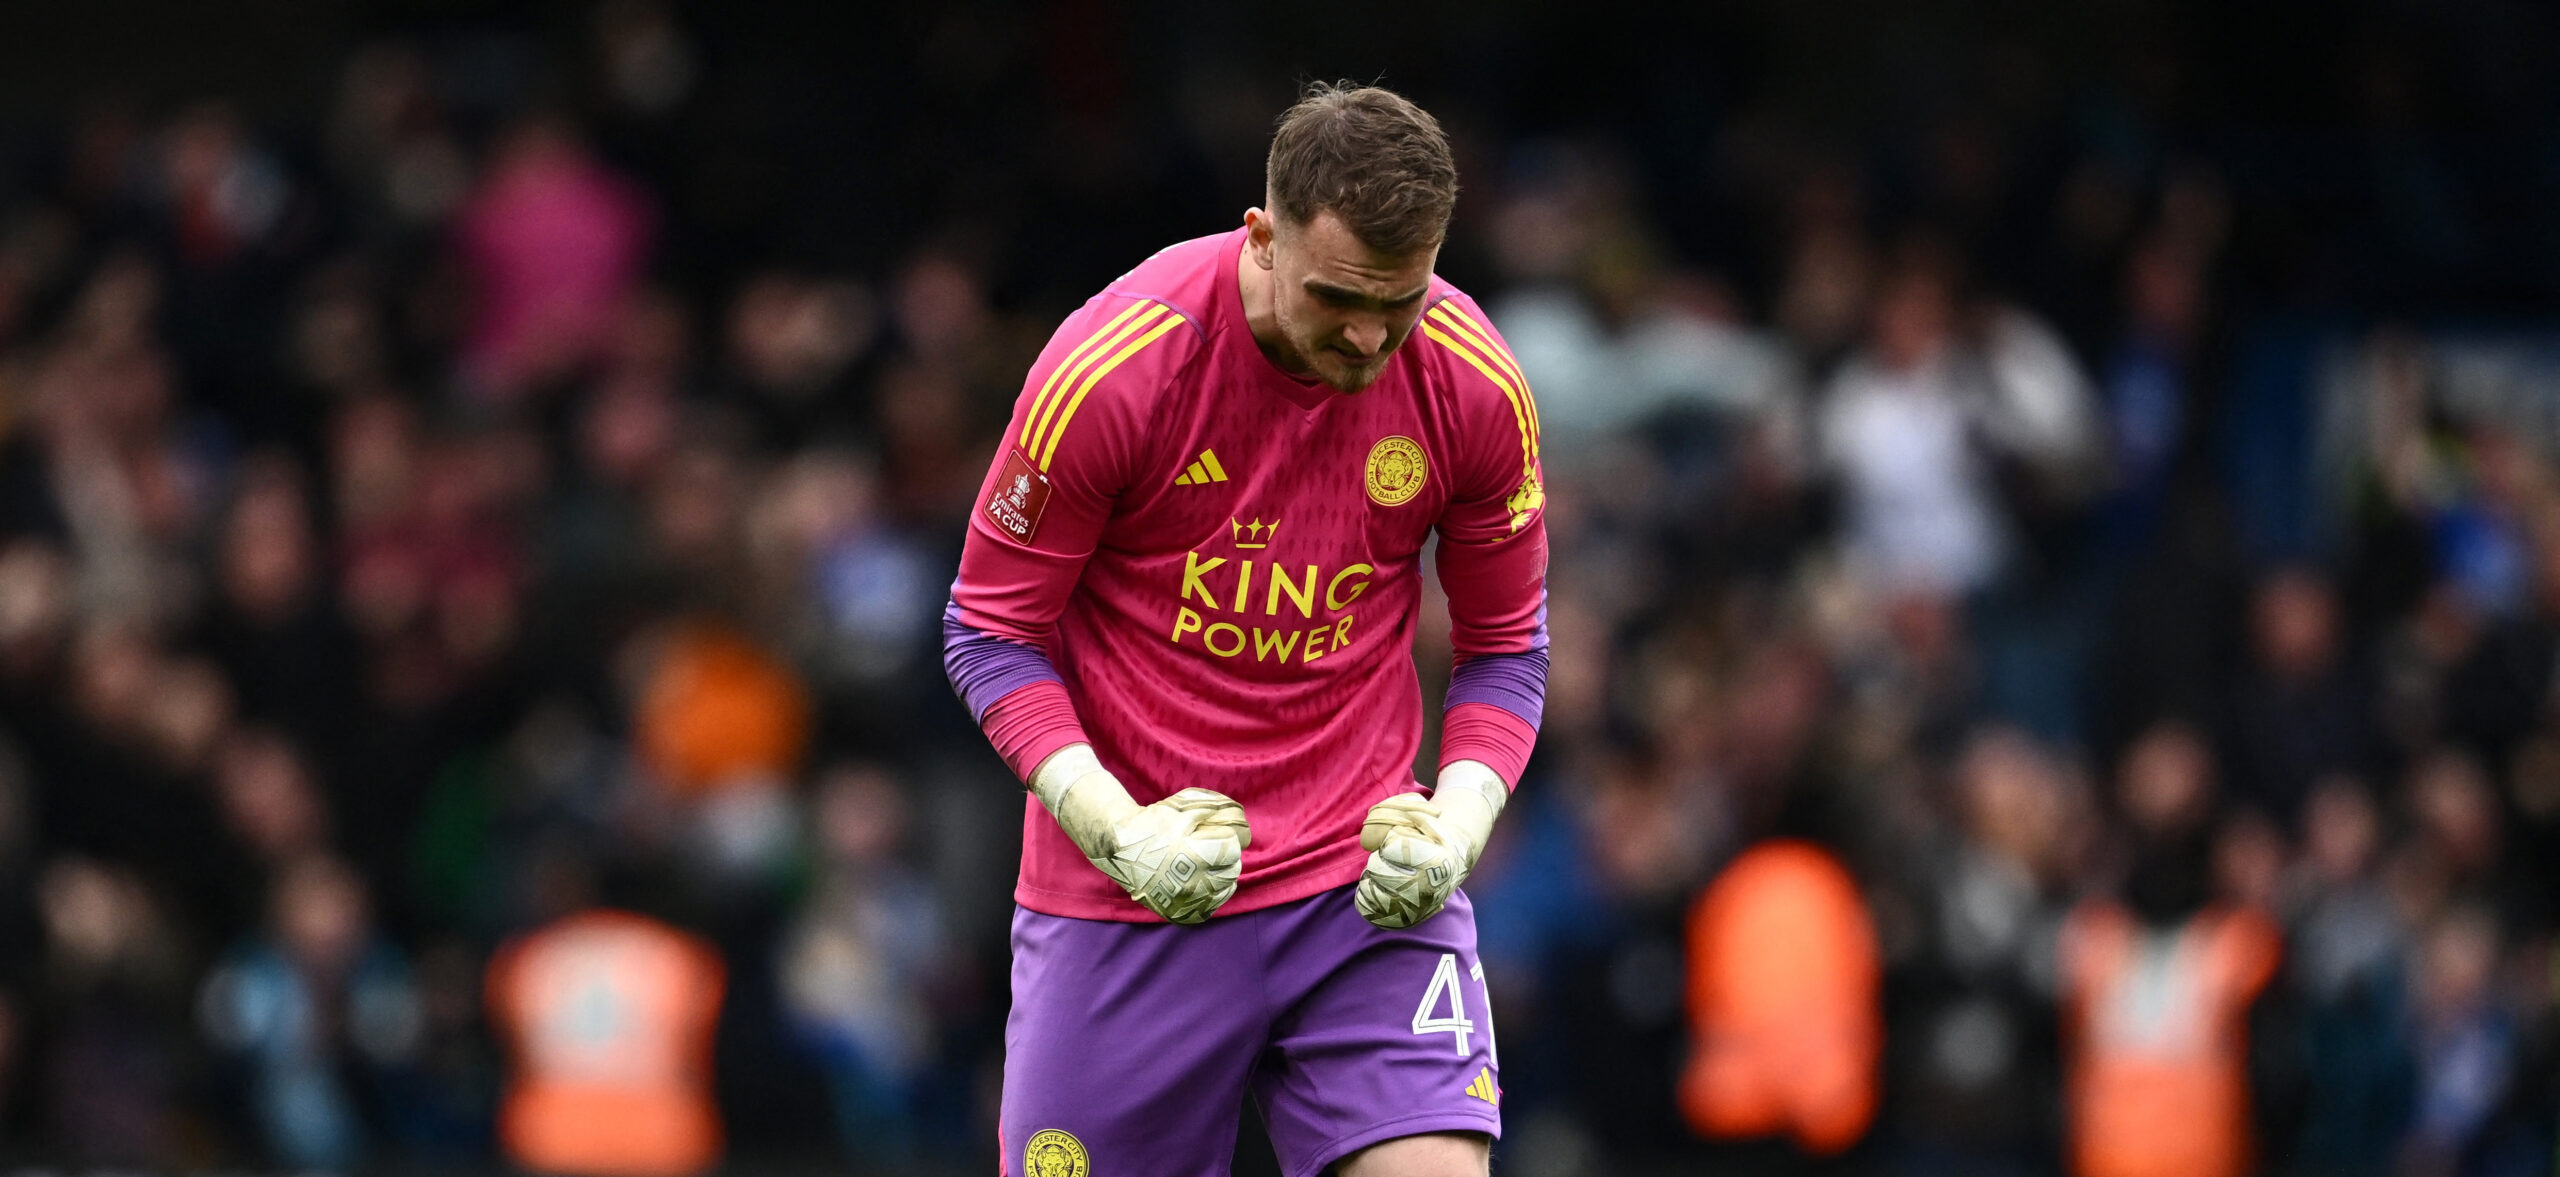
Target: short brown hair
(1378, 161)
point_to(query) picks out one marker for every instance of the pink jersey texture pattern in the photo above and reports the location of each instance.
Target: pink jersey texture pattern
(1211, 571)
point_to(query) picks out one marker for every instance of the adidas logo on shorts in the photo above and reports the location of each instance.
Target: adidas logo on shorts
(1483, 1087)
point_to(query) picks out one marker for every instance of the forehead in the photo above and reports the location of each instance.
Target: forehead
(1328, 251)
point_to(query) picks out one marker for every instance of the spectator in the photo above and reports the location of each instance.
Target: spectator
(554, 241)
(1902, 430)
(112, 1008)
(273, 625)
(2148, 384)
(2300, 714)
(2350, 964)
(2467, 1048)
(1785, 1041)
(715, 713)
(2157, 987)
(793, 343)
(1980, 1003)
(607, 1016)
(318, 1012)
(861, 962)
(269, 801)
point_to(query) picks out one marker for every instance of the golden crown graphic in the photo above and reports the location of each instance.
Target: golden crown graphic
(1256, 534)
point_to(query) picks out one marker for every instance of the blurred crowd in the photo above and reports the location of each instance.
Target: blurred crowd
(470, 550)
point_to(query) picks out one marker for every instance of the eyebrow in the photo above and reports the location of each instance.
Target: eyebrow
(1332, 293)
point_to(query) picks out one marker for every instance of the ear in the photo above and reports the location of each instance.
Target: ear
(1257, 241)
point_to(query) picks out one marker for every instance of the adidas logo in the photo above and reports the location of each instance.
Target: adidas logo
(1205, 470)
(1483, 1087)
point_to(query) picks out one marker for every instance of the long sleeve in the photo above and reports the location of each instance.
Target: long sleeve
(1492, 561)
(1039, 515)
(1011, 689)
(1498, 690)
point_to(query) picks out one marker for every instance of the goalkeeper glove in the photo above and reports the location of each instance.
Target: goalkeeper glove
(1421, 849)
(1180, 856)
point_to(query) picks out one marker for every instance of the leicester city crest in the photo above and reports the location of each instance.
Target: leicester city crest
(1395, 472)
(1053, 1153)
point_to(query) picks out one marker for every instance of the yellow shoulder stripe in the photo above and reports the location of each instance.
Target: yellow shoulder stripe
(1528, 436)
(1042, 406)
(1466, 327)
(1049, 447)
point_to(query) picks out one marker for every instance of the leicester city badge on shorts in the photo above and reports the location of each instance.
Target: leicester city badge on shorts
(1396, 471)
(1053, 1153)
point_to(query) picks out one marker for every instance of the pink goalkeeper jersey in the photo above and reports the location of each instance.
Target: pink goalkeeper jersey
(1211, 570)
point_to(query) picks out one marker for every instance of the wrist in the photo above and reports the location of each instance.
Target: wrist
(1086, 800)
(1059, 771)
(1473, 780)
(1470, 795)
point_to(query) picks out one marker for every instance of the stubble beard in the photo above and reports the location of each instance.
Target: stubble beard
(1359, 379)
(1342, 374)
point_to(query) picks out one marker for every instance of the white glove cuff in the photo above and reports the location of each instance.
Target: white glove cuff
(1063, 768)
(1473, 777)
(1088, 802)
(1471, 795)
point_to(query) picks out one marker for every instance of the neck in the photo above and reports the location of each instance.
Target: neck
(1261, 313)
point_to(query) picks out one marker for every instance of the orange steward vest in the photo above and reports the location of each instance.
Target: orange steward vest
(1785, 1018)
(608, 1021)
(2156, 1040)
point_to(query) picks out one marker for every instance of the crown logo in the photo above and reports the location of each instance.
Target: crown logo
(1256, 534)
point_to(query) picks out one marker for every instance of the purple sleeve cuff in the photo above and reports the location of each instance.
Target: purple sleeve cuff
(985, 668)
(1516, 683)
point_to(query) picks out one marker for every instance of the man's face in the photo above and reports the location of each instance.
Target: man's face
(1342, 307)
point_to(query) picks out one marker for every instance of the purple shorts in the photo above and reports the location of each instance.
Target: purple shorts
(1131, 1046)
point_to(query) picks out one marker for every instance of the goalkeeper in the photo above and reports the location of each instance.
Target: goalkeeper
(1185, 616)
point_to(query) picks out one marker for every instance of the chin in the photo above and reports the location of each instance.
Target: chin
(1352, 379)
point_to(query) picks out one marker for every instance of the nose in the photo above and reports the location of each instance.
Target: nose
(1369, 337)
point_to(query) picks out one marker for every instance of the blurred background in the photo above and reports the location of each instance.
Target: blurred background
(2056, 596)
